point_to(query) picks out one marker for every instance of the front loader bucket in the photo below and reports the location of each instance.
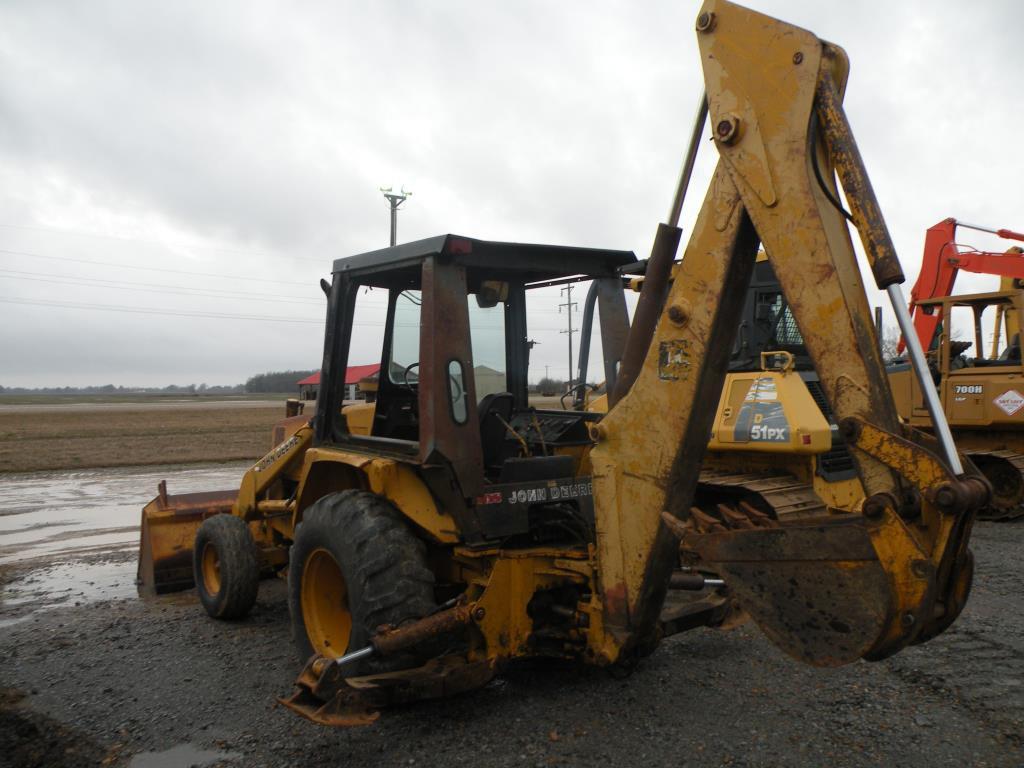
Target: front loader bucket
(169, 525)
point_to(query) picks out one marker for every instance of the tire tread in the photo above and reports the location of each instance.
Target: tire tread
(239, 564)
(383, 561)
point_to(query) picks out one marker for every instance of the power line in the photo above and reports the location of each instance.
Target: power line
(172, 290)
(166, 312)
(207, 315)
(306, 283)
(155, 269)
(126, 239)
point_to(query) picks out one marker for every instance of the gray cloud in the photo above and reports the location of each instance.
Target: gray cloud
(249, 139)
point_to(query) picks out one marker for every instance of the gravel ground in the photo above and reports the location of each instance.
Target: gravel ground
(114, 680)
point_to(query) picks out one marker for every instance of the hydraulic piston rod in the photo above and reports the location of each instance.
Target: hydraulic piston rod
(920, 365)
(393, 640)
(691, 160)
(881, 253)
(362, 653)
(659, 268)
(1007, 234)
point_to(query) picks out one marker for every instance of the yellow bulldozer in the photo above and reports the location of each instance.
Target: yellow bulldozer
(979, 387)
(775, 444)
(447, 529)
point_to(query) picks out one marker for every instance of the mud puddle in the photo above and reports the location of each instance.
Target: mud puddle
(182, 756)
(72, 537)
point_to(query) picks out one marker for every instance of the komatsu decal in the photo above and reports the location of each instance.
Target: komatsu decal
(762, 389)
(765, 433)
(761, 422)
(968, 389)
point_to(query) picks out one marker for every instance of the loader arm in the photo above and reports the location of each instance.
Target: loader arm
(828, 591)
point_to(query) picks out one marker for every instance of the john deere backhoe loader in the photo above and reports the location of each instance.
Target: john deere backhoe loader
(463, 532)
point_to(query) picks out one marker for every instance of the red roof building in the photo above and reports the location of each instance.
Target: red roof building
(310, 385)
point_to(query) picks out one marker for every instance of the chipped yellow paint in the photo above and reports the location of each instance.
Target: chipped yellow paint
(397, 481)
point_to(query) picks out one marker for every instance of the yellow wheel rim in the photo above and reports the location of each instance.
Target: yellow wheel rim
(211, 570)
(325, 610)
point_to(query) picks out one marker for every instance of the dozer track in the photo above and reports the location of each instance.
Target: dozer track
(779, 495)
(1005, 470)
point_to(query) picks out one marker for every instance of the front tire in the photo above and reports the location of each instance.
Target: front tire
(225, 565)
(354, 566)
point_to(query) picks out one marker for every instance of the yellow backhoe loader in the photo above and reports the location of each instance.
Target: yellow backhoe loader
(443, 532)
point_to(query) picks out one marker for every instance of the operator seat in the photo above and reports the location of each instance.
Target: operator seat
(1012, 352)
(492, 409)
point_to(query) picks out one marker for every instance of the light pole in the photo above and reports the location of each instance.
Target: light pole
(395, 199)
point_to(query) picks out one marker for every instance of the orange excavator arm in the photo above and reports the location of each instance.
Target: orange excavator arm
(940, 264)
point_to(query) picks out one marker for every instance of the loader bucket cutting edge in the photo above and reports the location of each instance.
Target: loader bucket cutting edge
(167, 533)
(818, 591)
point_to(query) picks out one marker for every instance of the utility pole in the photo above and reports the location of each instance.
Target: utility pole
(569, 304)
(395, 199)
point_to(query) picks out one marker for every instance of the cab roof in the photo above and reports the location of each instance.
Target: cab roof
(524, 262)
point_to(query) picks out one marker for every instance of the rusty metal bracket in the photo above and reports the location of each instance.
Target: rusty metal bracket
(922, 468)
(391, 640)
(323, 696)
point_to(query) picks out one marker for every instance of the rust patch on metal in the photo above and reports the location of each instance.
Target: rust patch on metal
(329, 699)
(616, 605)
(816, 589)
(391, 640)
(168, 529)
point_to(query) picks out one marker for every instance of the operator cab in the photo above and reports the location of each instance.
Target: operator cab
(446, 318)
(767, 323)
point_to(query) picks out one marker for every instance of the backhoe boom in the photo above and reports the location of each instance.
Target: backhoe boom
(867, 583)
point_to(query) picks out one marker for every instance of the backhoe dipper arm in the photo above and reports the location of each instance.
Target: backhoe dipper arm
(835, 589)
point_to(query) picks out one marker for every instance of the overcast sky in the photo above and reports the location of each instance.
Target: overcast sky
(178, 175)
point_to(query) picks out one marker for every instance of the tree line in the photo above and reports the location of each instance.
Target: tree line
(274, 382)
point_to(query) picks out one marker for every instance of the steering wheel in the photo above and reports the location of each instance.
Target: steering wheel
(457, 387)
(581, 388)
(405, 375)
(456, 392)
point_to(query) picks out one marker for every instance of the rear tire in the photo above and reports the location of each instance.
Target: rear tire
(225, 564)
(354, 566)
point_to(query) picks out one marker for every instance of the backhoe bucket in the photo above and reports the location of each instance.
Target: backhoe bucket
(169, 525)
(816, 589)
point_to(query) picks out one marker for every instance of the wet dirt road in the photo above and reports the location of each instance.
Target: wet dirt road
(142, 405)
(72, 537)
(158, 683)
